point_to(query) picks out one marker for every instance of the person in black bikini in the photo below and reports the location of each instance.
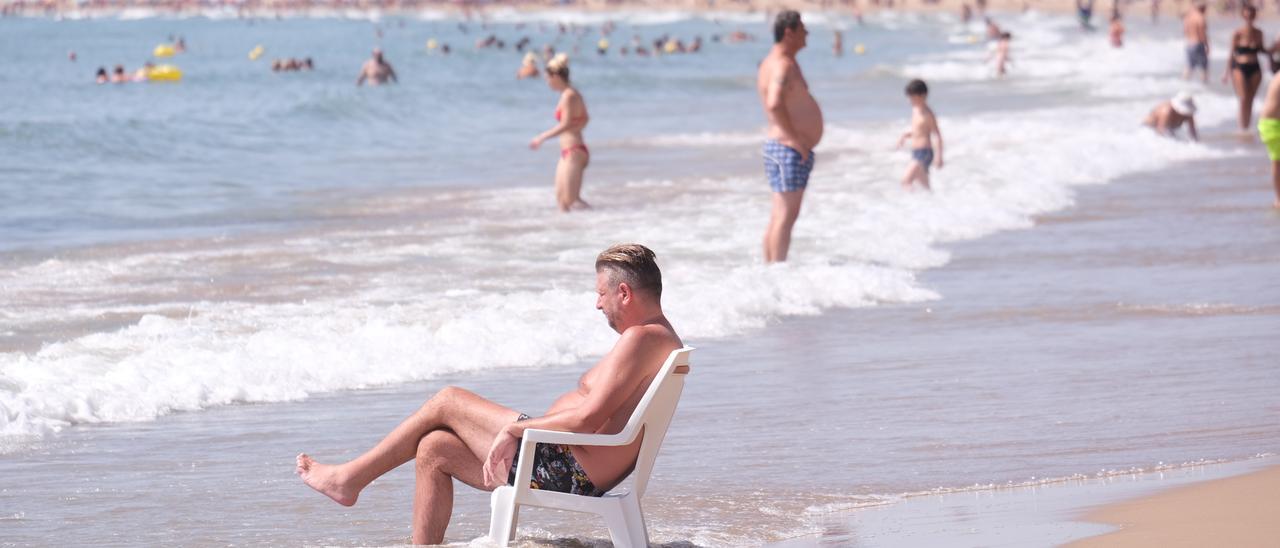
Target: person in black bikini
(1243, 67)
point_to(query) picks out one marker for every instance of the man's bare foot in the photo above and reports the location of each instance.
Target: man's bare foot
(325, 479)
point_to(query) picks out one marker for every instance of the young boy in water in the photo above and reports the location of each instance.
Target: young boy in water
(923, 126)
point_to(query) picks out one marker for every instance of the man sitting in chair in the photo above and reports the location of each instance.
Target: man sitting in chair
(458, 434)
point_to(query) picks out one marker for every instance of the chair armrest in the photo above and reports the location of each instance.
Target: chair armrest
(574, 438)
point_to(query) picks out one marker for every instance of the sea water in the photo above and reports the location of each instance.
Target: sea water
(245, 236)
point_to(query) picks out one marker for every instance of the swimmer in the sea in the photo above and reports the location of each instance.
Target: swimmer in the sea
(102, 77)
(376, 70)
(528, 67)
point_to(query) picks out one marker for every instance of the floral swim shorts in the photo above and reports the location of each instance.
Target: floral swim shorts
(555, 469)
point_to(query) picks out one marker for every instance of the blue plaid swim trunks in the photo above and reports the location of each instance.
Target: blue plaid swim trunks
(784, 168)
(555, 469)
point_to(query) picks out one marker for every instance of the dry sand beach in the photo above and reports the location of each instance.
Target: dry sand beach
(1236, 511)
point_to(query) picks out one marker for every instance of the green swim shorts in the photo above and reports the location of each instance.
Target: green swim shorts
(1269, 131)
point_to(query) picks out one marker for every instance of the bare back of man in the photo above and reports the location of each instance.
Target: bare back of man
(460, 435)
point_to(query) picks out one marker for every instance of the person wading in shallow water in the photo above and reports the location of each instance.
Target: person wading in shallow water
(571, 119)
(795, 127)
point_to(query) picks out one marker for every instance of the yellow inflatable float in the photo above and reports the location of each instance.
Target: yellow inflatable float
(256, 52)
(163, 50)
(164, 73)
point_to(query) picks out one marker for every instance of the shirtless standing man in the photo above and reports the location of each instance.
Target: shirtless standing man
(458, 434)
(1196, 29)
(1269, 131)
(376, 70)
(795, 127)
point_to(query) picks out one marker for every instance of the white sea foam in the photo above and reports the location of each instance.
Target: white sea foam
(495, 280)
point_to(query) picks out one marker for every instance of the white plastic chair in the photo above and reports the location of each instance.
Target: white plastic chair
(621, 512)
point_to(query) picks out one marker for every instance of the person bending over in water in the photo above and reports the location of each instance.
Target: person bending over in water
(923, 126)
(377, 70)
(1169, 115)
(460, 435)
(1242, 67)
(571, 118)
(795, 127)
(1269, 131)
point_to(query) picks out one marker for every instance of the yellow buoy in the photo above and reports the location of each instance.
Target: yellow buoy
(164, 73)
(670, 46)
(603, 44)
(163, 50)
(432, 44)
(256, 52)
(859, 49)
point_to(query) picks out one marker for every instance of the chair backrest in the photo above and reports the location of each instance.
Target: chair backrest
(654, 413)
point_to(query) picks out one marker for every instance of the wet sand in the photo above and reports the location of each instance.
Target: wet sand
(1238, 511)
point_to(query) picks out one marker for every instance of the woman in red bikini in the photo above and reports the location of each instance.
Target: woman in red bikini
(571, 115)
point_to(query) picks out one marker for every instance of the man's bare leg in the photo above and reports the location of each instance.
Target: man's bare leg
(786, 209)
(470, 417)
(441, 456)
(1275, 181)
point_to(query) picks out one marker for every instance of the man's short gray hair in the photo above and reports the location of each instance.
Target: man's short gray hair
(787, 19)
(634, 264)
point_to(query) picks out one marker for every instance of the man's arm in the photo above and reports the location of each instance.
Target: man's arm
(363, 72)
(620, 374)
(1191, 129)
(392, 73)
(776, 109)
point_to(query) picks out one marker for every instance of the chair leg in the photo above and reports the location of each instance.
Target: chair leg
(635, 521)
(619, 527)
(505, 515)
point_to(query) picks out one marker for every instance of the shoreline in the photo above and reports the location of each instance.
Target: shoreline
(1052, 513)
(1233, 511)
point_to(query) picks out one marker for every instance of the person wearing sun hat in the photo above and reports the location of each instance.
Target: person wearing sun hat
(1269, 132)
(1169, 115)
